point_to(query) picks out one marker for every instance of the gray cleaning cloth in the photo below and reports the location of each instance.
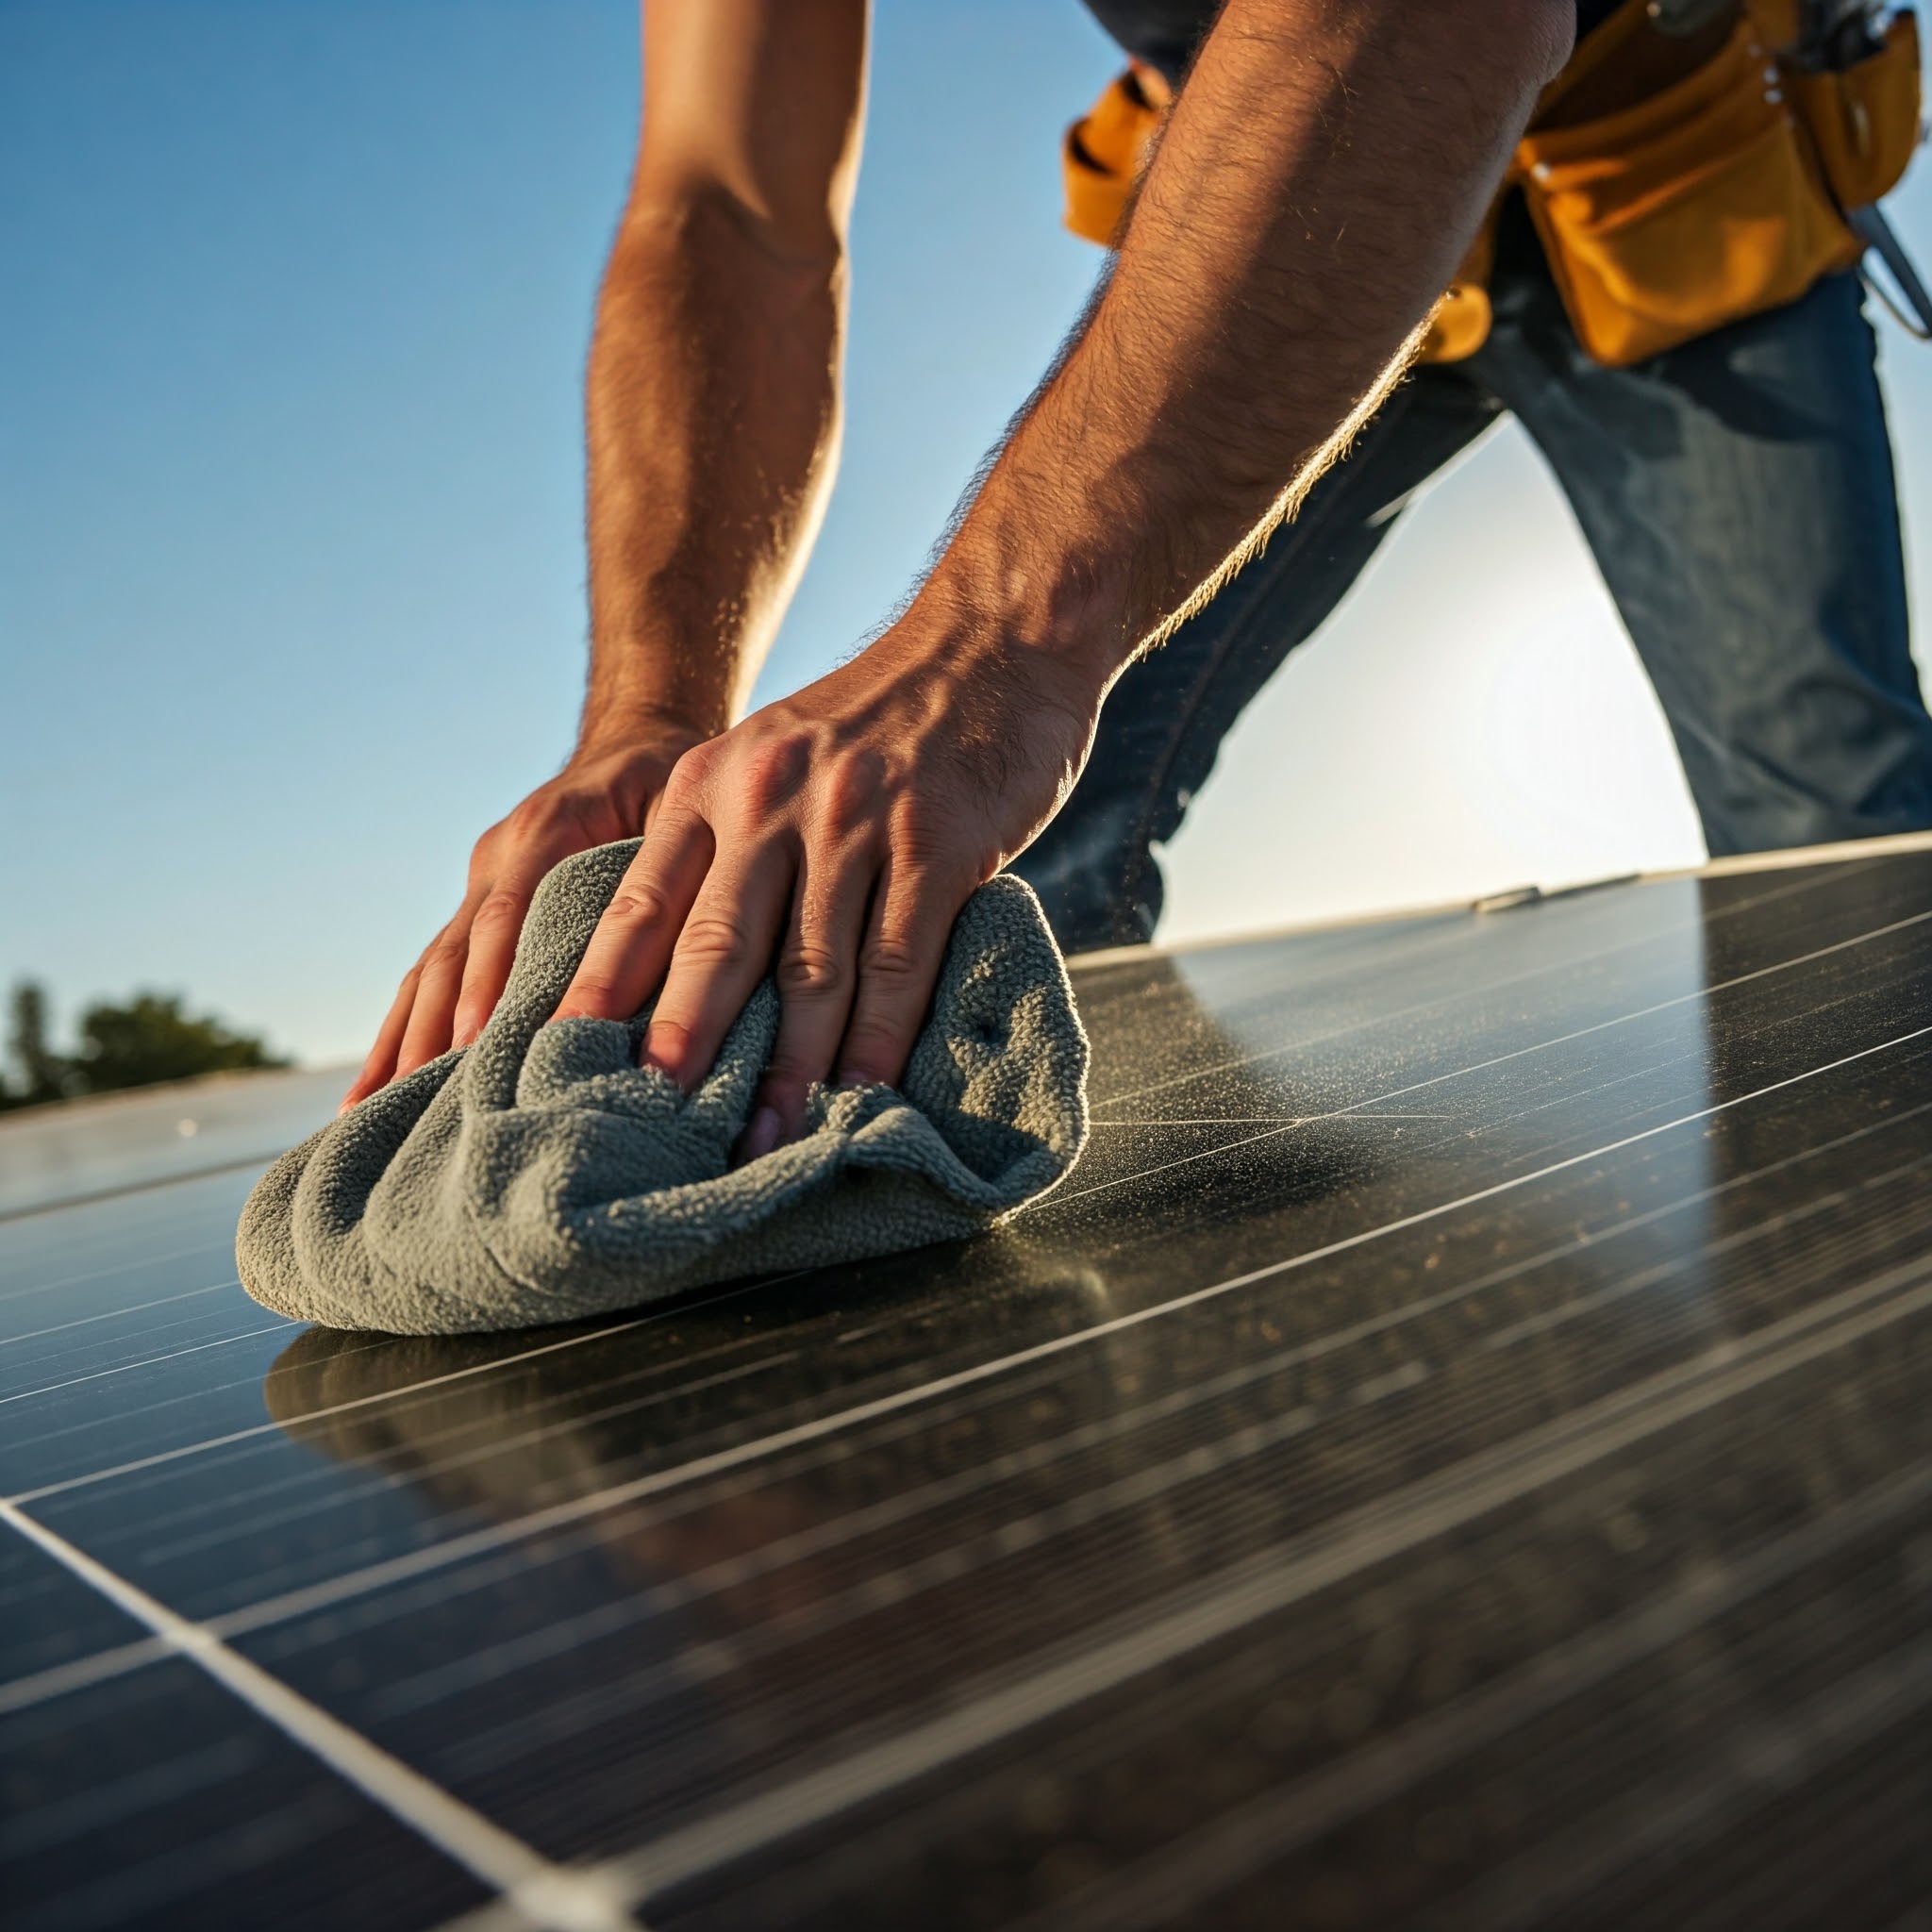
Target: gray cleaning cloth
(540, 1174)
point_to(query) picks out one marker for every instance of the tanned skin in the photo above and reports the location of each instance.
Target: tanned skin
(1320, 178)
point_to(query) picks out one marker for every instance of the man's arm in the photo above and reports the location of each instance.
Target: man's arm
(1319, 180)
(712, 407)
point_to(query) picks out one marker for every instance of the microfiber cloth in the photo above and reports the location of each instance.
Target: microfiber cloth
(539, 1174)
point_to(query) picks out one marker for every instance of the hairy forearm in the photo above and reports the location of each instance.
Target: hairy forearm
(1322, 174)
(712, 417)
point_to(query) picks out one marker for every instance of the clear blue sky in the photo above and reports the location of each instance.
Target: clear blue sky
(290, 570)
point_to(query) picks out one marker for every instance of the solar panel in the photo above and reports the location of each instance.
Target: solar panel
(1456, 1452)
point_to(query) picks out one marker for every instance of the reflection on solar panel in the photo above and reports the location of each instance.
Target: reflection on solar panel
(1458, 1451)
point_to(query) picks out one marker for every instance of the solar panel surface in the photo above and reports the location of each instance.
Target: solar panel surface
(1458, 1452)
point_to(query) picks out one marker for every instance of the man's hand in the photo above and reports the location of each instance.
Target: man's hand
(1317, 183)
(831, 838)
(1320, 177)
(453, 989)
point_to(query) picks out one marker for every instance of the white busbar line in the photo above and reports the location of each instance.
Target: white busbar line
(148, 1361)
(402, 1391)
(187, 1295)
(545, 1894)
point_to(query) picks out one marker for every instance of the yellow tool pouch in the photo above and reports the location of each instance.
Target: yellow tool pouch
(1709, 199)
(1105, 151)
(1460, 324)
(1864, 122)
(1713, 199)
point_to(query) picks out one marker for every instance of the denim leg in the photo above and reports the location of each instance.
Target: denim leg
(1737, 494)
(1163, 721)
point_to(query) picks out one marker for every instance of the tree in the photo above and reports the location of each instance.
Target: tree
(147, 1039)
(151, 1038)
(40, 1073)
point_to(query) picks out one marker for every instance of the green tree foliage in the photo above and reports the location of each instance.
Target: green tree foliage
(147, 1039)
(151, 1038)
(38, 1073)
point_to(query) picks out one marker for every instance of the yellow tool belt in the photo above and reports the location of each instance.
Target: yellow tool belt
(1712, 196)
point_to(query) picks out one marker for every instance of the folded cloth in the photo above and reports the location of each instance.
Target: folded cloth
(540, 1174)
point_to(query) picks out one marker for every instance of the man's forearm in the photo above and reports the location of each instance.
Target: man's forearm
(714, 413)
(712, 407)
(1322, 174)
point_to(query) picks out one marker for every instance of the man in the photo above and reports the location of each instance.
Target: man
(1737, 494)
(1322, 173)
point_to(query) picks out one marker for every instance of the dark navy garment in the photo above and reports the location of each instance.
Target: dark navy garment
(1739, 496)
(1164, 33)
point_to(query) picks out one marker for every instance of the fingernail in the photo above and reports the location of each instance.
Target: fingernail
(852, 1077)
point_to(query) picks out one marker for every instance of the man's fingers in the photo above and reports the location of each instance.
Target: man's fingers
(912, 915)
(381, 1064)
(438, 979)
(722, 952)
(817, 972)
(631, 946)
(494, 933)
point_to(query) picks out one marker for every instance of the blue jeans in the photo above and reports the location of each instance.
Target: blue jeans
(1737, 495)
